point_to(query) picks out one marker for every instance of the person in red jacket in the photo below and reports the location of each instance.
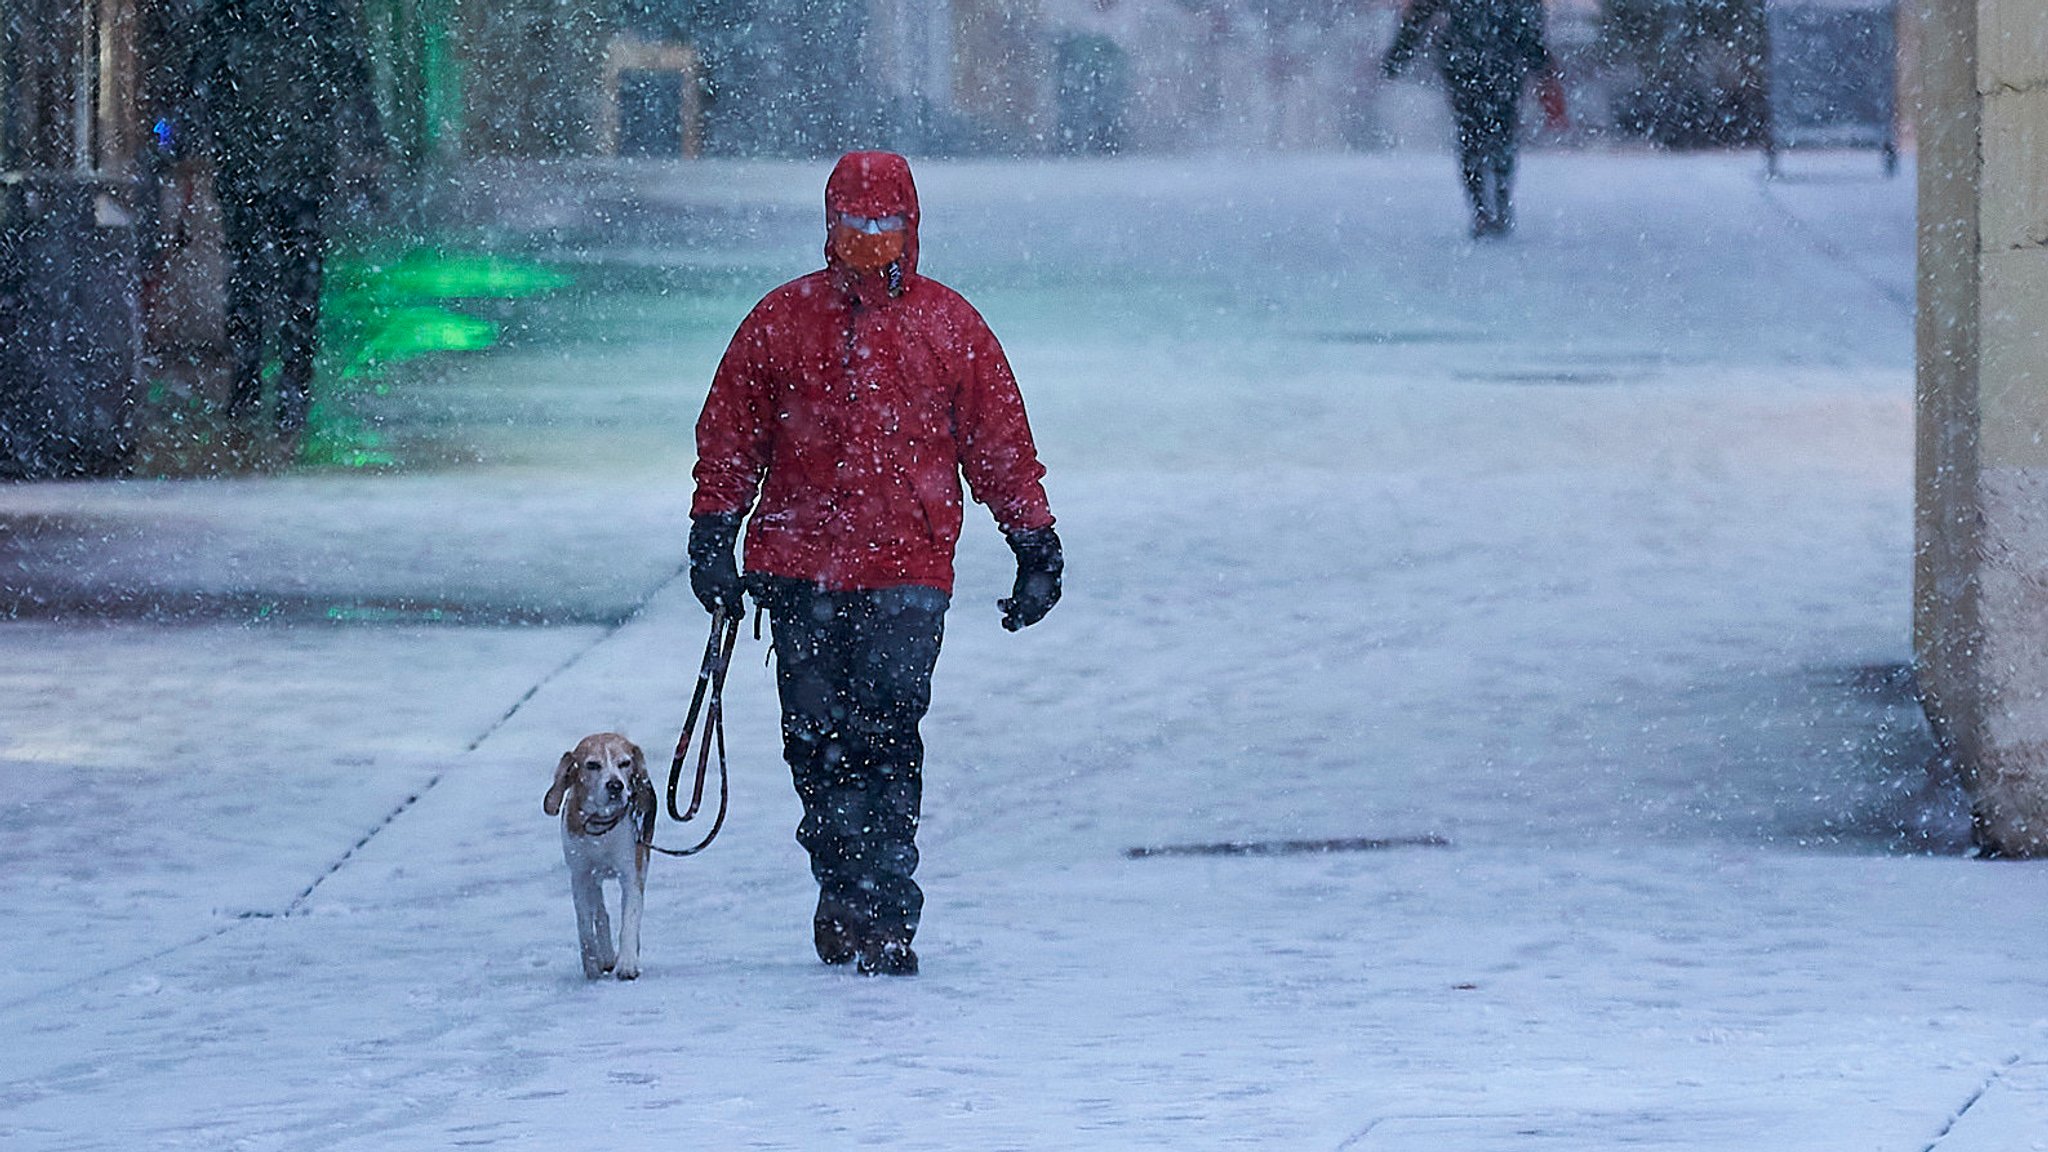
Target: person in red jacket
(843, 416)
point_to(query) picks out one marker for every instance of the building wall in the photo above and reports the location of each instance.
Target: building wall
(71, 74)
(798, 77)
(528, 73)
(1981, 576)
(1002, 57)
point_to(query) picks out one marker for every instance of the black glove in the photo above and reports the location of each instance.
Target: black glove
(714, 569)
(1039, 564)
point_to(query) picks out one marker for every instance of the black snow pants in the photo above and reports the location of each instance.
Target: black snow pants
(854, 670)
(274, 253)
(1486, 107)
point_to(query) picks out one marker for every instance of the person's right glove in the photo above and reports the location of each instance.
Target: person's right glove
(1039, 564)
(714, 566)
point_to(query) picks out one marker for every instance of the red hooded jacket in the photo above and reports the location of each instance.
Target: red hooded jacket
(850, 405)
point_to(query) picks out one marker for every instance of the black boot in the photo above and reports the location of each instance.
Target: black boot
(294, 402)
(888, 958)
(832, 931)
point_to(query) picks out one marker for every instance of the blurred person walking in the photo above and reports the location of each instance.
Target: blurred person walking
(847, 408)
(283, 103)
(1486, 50)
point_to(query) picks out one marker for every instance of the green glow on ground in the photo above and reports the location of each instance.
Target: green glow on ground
(384, 307)
(428, 274)
(411, 331)
(373, 614)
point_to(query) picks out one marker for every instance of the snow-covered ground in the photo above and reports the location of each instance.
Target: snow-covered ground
(1588, 552)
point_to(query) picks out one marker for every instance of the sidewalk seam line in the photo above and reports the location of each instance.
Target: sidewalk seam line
(299, 902)
(1997, 1074)
(296, 907)
(166, 950)
(1834, 253)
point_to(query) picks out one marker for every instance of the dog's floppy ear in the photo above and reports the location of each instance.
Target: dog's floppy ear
(643, 795)
(564, 772)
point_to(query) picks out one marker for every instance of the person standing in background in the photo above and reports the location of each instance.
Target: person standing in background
(1487, 50)
(282, 95)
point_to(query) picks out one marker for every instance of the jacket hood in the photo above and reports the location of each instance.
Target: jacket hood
(873, 184)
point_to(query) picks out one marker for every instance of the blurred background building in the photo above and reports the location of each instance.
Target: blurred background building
(109, 262)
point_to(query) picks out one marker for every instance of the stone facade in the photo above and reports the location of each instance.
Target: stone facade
(1981, 579)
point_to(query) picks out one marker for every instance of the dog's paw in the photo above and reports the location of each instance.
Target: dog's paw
(627, 969)
(593, 972)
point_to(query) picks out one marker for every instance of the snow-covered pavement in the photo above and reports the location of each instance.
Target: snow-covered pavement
(1588, 552)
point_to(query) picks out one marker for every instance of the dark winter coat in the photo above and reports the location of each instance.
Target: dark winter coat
(281, 90)
(1492, 43)
(850, 406)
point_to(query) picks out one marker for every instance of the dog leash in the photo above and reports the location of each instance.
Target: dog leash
(707, 701)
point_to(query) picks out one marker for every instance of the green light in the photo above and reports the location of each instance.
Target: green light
(453, 276)
(385, 307)
(434, 274)
(336, 439)
(377, 614)
(420, 330)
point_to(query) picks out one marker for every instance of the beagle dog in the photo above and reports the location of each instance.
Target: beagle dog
(607, 824)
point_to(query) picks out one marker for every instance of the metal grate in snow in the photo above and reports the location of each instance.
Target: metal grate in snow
(1396, 336)
(1656, 1131)
(1560, 376)
(1289, 847)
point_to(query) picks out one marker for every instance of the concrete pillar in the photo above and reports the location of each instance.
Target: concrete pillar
(1981, 572)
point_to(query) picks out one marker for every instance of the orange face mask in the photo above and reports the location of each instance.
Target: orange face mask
(866, 248)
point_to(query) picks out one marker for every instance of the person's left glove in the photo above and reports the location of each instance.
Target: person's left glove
(1039, 564)
(714, 566)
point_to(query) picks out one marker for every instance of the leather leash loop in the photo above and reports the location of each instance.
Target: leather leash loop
(708, 702)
